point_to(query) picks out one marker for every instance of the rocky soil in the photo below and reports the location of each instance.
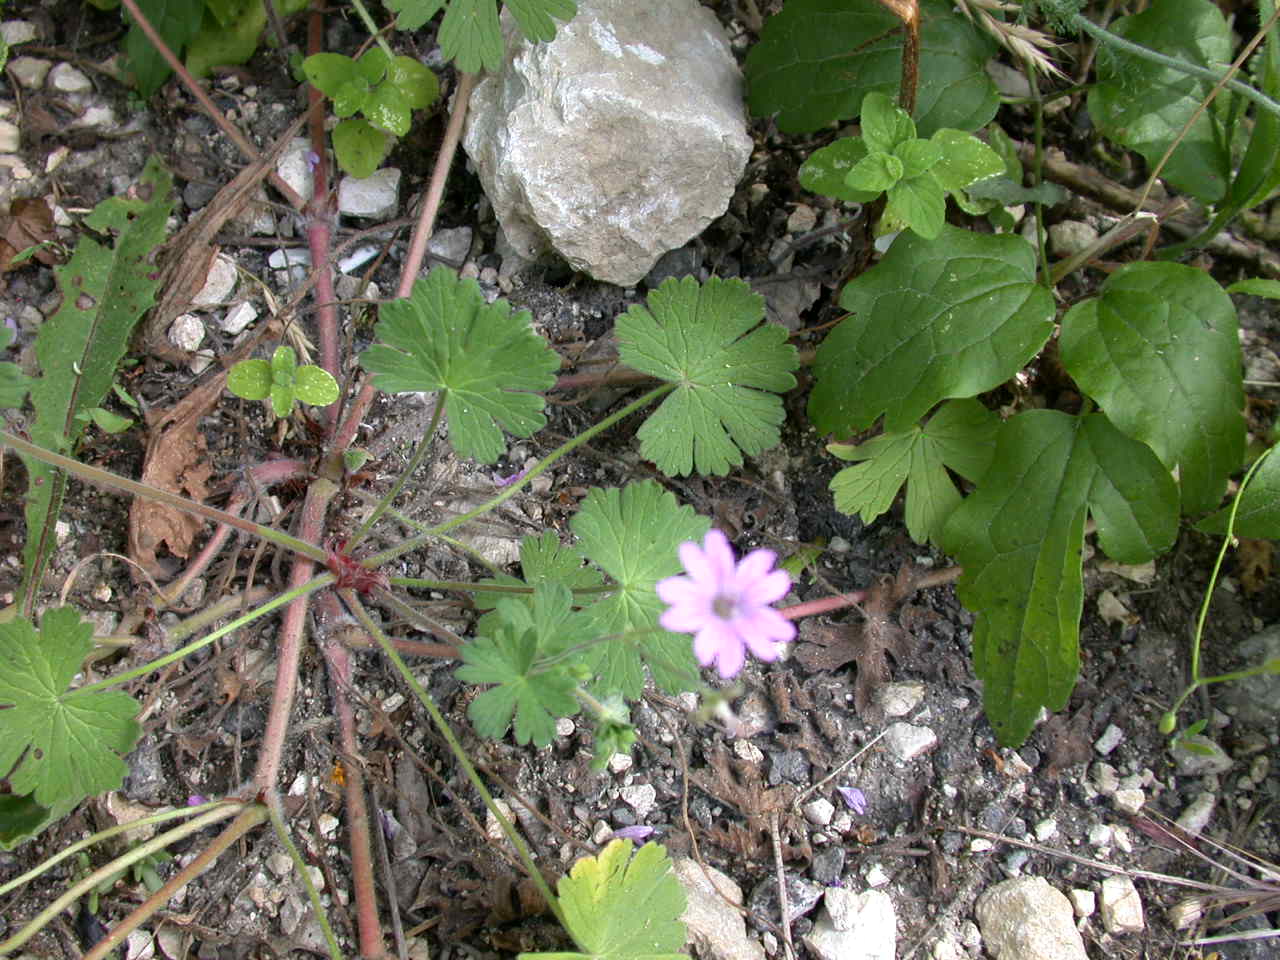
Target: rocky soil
(860, 768)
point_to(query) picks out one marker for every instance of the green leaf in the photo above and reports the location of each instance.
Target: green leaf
(281, 399)
(177, 21)
(471, 36)
(372, 65)
(105, 291)
(445, 337)
(1144, 106)
(961, 435)
(825, 170)
(1019, 538)
(709, 341)
(965, 159)
(20, 819)
(537, 694)
(250, 379)
(917, 157)
(216, 45)
(388, 110)
(331, 73)
(818, 59)
(109, 422)
(1160, 352)
(418, 86)
(412, 14)
(226, 12)
(634, 535)
(885, 124)
(315, 386)
(919, 203)
(359, 146)
(874, 173)
(617, 907)
(14, 384)
(537, 18)
(352, 97)
(59, 745)
(284, 361)
(1257, 287)
(935, 319)
(1258, 515)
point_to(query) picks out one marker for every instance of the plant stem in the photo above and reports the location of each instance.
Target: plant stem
(372, 28)
(1173, 63)
(459, 754)
(378, 559)
(320, 221)
(300, 867)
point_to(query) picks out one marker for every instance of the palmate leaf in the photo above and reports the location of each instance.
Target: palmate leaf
(961, 435)
(535, 693)
(708, 339)
(445, 337)
(619, 907)
(949, 317)
(818, 59)
(471, 34)
(543, 559)
(57, 745)
(1158, 349)
(1019, 538)
(634, 535)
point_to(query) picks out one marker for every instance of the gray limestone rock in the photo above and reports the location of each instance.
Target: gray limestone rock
(861, 926)
(621, 139)
(715, 929)
(1027, 919)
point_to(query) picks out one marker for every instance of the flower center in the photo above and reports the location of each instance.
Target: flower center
(723, 606)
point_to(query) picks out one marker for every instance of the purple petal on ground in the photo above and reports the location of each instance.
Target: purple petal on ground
(195, 800)
(638, 832)
(854, 799)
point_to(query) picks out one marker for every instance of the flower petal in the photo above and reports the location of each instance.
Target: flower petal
(686, 618)
(720, 555)
(698, 564)
(755, 565)
(768, 624)
(676, 589)
(711, 640)
(766, 589)
(730, 659)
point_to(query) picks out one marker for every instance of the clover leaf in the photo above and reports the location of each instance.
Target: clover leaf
(536, 693)
(619, 907)
(708, 340)
(59, 745)
(935, 319)
(961, 435)
(1019, 538)
(634, 535)
(444, 336)
(281, 379)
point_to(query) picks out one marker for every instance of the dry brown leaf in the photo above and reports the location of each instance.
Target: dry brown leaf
(30, 222)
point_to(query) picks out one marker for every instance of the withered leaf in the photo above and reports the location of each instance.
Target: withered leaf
(29, 223)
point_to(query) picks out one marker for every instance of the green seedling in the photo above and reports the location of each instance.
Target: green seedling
(282, 381)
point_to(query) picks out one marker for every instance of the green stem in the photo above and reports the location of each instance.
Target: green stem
(414, 462)
(372, 28)
(464, 761)
(408, 546)
(300, 867)
(310, 587)
(1173, 63)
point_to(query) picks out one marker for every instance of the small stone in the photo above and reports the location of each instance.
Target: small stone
(327, 824)
(1071, 237)
(1101, 835)
(907, 741)
(746, 750)
(15, 32)
(375, 197)
(1026, 918)
(1202, 758)
(450, 245)
(819, 812)
(640, 797)
(601, 833)
(1129, 801)
(393, 702)
(1110, 739)
(187, 332)
(294, 167)
(492, 828)
(1121, 906)
(713, 927)
(899, 699)
(67, 79)
(876, 875)
(828, 865)
(1185, 913)
(280, 864)
(218, 285)
(1198, 812)
(803, 219)
(289, 257)
(1045, 830)
(10, 137)
(96, 116)
(1105, 779)
(1083, 902)
(565, 727)
(861, 926)
(238, 318)
(1015, 767)
(620, 762)
(30, 71)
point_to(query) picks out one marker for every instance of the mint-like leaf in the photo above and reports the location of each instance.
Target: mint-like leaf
(537, 694)
(59, 745)
(818, 59)
(884, 123)
(827, 170)
(709, 340)
(617, 907)
(1144, 105)
(359, 146)
(1159, 350)
(949, 317)
(961, 435)
(444, 336)
(964, 160)
(634, 535)
(920, 203)
(1019, 538)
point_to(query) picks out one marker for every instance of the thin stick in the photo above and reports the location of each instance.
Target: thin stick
(837, 771)
(784, 907)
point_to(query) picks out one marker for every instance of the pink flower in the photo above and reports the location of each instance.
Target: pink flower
(726, 604)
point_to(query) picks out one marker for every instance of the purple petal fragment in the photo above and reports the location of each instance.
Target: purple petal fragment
(854, 799)
(638, 832)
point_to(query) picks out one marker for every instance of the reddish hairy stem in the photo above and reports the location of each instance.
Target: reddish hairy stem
(320, 221)
(435, 190)
(338, 658)
(217, 116)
